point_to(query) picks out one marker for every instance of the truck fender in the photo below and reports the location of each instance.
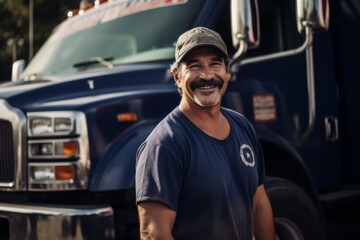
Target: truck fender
(116, 170)
(283, 161)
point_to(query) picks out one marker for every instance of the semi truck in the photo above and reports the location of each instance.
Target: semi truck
(72, 120)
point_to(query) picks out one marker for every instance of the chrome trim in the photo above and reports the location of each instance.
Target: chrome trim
(82, 165)
(312, 13)
(311, 87)
(58, 222)
(18, 121)
(331, 128)
(6, 185)
(277, 55)
(236, 64)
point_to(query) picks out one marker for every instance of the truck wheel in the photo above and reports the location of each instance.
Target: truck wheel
(295, 215)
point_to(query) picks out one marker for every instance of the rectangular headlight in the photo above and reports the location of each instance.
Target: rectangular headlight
(52, 172)
(62, 125)
(41, 149)
(66, 148)
(40, 126)
(51, 123)
(41, 173)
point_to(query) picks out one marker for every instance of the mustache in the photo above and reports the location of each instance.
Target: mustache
(206, 83)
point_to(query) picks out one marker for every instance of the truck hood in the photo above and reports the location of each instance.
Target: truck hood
(84, 88)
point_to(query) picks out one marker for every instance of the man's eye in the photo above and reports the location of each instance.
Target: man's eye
(193, 66)
(216, 63)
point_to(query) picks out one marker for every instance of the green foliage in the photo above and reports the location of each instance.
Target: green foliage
(14, 25)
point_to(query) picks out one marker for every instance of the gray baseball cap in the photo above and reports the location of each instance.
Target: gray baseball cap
(196, 37)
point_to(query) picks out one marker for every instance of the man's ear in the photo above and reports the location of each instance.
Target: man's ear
(176, 76)
(228, 74)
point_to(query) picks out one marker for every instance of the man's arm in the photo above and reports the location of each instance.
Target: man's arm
(263, 217)
(156, 221)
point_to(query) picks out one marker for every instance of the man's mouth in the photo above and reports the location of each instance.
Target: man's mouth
(206, 84)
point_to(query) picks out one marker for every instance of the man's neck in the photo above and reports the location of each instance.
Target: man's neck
(208, 119)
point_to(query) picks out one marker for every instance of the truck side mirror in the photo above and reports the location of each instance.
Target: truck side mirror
(17, 68)
(245, 29)
(312, 13)
(245, 23)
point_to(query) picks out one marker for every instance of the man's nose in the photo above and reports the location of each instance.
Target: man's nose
(207, 73)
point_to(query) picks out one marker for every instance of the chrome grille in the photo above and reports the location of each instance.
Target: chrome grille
(6, 152)
(12, 148)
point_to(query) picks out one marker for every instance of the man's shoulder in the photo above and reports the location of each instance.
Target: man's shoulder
(238, 119)
(170, 125)
(168, 135)
(170, 120)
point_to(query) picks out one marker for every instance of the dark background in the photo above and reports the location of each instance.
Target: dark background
(14, 28)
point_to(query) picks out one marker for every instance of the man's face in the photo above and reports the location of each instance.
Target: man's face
(203, 77)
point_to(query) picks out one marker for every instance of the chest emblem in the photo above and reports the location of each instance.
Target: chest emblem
(247, 155)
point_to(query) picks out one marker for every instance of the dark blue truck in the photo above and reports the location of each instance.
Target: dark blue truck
(72, 120)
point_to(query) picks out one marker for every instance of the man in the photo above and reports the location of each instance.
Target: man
(200, 173)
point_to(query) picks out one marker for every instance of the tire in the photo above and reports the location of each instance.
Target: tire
(295, 215)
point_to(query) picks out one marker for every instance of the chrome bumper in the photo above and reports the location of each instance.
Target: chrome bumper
(56, 222)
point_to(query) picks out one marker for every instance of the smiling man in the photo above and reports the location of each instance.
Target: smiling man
(200, 173)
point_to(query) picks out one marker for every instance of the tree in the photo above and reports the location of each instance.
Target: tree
(14, 27)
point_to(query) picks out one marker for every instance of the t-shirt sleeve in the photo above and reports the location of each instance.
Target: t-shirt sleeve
(258, 152)
(158, 175)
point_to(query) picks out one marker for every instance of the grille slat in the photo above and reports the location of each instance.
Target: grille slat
(7, 173)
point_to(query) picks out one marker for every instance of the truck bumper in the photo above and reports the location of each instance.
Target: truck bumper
(56, 222)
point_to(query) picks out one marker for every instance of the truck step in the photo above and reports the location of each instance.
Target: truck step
(344, 195)
(342, 210)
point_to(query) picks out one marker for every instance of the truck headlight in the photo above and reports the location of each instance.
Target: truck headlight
(54, 149)
(41, 149)
(52, 172)
(40, 126)
(55, 125)
(58, 151)
(62, 125)
(42, 173)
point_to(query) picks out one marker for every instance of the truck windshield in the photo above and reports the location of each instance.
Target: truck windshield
(122, 32)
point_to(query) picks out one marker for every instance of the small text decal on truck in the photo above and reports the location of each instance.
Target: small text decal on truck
(264, 108)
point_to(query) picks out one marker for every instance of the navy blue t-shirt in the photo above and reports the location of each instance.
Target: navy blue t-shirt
(210, 183)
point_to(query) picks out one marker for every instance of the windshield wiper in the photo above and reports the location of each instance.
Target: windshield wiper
(35, 77)
(94, 60)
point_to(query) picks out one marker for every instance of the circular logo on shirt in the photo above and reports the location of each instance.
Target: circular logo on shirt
(247, 155)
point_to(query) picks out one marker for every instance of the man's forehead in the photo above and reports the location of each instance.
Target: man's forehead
(203, 52)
